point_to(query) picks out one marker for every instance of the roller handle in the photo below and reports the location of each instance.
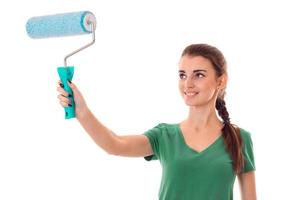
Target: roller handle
(65, 74)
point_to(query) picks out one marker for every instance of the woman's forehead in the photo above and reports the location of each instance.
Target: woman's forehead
(191, 63)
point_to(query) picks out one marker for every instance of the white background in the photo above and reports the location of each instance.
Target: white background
(129, 79)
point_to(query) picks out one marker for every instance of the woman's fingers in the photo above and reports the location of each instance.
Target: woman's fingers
(63, 96)
(62, 91)
(64, 101)
(80, 105)
(64, 104)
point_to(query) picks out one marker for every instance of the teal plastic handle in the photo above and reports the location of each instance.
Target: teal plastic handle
(65, 74)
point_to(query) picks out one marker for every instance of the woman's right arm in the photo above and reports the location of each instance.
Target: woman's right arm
(129, 145)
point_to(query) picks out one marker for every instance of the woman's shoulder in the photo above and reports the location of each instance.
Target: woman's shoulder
(245, 134)
(166, 125)
(167, 128)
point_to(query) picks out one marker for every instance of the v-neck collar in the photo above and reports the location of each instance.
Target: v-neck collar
(178, 128)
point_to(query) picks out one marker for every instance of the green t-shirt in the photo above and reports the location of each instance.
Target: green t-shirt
(191, 175)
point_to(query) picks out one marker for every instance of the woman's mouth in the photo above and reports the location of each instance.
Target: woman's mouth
(191, 94)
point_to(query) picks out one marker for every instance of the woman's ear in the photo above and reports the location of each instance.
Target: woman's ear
(222, 81)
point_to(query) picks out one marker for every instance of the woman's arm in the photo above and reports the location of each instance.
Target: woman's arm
(247, 185)
(131, 145)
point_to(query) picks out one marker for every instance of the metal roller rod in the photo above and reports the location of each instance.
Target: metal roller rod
(81, 48)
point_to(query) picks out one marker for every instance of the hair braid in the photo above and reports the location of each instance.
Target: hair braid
(222, 110)
(231, 140)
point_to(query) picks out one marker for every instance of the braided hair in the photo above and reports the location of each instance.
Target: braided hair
(230, 132)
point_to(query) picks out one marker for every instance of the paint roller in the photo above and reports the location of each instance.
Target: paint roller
(59, 25)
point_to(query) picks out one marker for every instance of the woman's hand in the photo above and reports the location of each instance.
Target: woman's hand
(81, 108)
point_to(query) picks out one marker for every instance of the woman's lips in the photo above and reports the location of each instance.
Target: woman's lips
(191, 94)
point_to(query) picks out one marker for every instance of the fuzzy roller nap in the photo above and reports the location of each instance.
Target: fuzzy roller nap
(58, 25)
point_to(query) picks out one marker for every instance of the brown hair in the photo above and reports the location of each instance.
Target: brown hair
(230, 132)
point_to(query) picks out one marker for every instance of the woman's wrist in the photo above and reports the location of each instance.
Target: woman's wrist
(80, 115)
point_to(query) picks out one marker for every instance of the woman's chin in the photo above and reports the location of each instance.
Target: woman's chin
(194, 103)
(189, 103)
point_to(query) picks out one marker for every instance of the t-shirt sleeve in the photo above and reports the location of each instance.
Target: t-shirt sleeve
(154, 136)
(247, 151)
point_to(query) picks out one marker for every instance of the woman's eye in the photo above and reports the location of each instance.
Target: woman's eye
(199, 75)
(181, 76)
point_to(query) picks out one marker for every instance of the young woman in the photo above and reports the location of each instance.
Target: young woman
(200, 156)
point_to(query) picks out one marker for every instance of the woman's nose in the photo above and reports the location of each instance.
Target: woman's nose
(189, 82)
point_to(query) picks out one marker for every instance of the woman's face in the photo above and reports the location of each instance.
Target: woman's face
(198, 82)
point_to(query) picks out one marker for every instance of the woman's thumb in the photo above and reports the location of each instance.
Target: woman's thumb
(72, 86)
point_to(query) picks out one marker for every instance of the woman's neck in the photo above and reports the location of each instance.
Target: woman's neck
(202, 118)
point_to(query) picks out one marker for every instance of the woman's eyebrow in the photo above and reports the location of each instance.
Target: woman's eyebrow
(197, 70)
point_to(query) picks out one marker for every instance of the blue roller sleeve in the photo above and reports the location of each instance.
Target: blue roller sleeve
(65, 74)
(57, 25)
